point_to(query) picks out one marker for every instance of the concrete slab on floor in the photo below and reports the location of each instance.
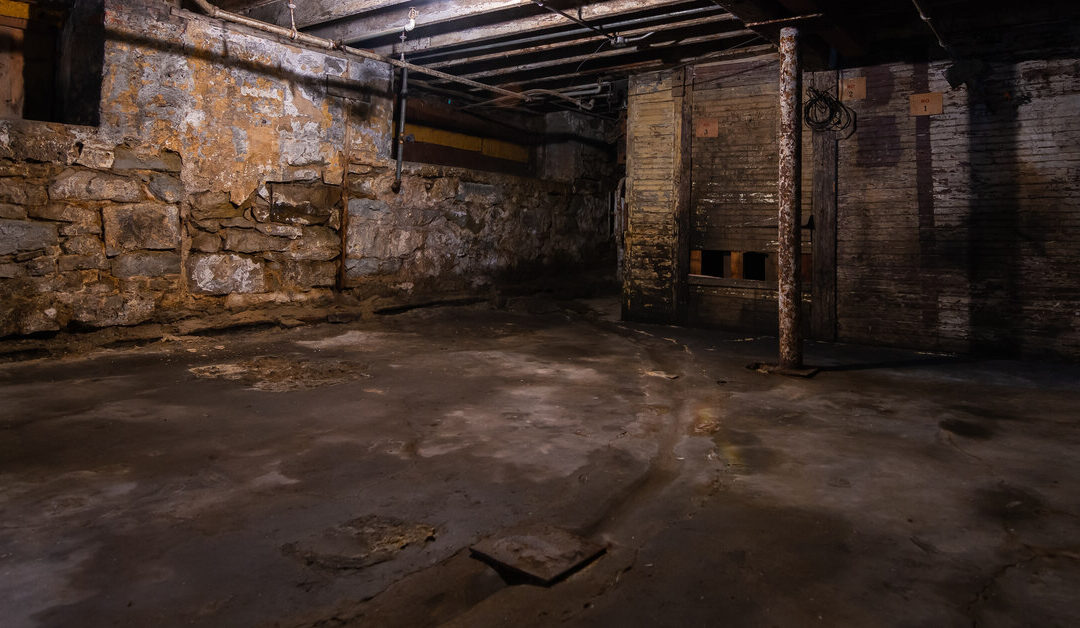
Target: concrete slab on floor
(338, 474)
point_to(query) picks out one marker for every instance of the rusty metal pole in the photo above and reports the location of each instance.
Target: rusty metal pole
(790, 237)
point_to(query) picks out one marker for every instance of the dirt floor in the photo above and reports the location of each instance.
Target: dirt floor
(336, 475)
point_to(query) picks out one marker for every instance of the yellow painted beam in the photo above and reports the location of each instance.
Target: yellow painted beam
(462, 141)
(506, 150)
(429, 135)
(12, 8)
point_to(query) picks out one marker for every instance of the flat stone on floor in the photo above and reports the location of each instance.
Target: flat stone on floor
(541, 554)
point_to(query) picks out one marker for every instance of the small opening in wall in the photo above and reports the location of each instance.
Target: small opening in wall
(751, 265)
(51, 59)
(715, 263)
(754, 266)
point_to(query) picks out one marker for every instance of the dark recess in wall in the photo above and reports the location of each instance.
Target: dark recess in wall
(64, 55)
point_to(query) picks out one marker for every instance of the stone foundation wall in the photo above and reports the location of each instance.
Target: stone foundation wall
(219, 180)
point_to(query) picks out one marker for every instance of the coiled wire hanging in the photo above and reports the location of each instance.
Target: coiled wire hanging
(824, 112)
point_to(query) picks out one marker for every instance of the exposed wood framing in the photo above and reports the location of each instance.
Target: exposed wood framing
(683, 95)
(823, 310)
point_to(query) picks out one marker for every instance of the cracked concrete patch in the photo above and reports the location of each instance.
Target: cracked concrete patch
(272, 374)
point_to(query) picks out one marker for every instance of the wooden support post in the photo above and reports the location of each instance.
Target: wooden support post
(736, 271)
(682, 91)
(823, 312)
(790, 237)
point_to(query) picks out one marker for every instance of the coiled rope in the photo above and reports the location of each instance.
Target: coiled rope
(824, 112)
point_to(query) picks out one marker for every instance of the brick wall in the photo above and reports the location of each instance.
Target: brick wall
(956, 232)
(959, 231)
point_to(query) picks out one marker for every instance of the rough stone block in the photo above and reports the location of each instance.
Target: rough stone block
(39, 142)
(146, 264)
(470, 192)
(213, 205)
(284, 231)
(42, 266)
(240, 223)
(22, 168)
(13, 212)
(209, 226)
(303, 203)
(128, 159)
(333, 175)
(365, 188)
(72, 229)
(382, 240)
(141, 226)
(83, 245)
(251, 241)
(62, 212)
(225, 274)
(367, 266)
(8, 270)
(19, 191)
(310, 274)
(166, 187)
(206, 242)
(317, 244)
(367, 209)
(68, 263)
(18, 236)
(106, 309)
(88, 185)
(95, 157)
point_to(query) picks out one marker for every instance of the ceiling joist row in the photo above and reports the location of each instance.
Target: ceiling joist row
(562, 45)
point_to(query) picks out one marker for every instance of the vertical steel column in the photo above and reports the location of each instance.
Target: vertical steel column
(790, 237)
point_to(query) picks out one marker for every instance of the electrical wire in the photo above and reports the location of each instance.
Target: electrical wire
(824, 112)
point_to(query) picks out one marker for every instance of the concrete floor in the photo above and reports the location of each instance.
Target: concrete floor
(336, 475)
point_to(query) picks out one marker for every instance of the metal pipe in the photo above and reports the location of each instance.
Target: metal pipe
(784, 20)
(517, 43)
(591, 91)
(933, 29)
(620, 230)
(576, 20)
(327, 44)
(404, 98)
(789, 254)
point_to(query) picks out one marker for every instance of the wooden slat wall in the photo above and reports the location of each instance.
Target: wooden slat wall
(961, 232)
(652, 130)
(734, 196)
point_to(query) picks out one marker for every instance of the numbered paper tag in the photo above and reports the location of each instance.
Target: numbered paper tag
(926, 104)
(853, 88)
(707, 127)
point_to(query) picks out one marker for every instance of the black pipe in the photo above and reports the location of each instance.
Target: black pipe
(403, 97)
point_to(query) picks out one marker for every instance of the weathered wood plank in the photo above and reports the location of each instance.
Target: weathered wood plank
(823, 312)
